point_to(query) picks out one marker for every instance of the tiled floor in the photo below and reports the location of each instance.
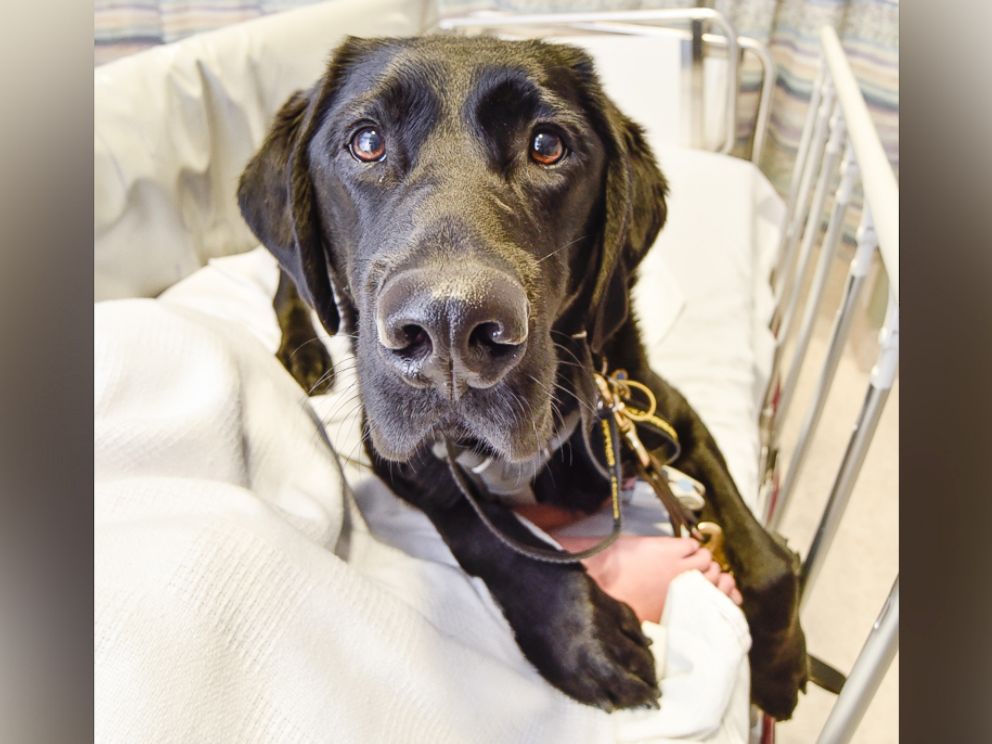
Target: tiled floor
(863, 561)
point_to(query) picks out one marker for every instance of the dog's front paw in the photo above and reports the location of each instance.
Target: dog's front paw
(778, 671)
(593, 649)
(779, 665)
(308, 361)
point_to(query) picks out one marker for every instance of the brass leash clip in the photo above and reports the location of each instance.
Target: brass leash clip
(611, 395)
(614, 393)
(710, 536)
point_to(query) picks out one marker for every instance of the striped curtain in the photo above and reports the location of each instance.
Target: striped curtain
(869, 33)
(868, 29)
(122, 27)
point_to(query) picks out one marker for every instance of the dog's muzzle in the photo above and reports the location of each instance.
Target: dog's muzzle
(452, 327)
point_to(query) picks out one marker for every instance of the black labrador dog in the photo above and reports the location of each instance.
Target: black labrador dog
(473, 211)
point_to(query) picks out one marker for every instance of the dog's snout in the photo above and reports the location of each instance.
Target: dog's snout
(454, 327)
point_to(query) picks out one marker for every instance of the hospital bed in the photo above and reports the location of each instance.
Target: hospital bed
(731, 326)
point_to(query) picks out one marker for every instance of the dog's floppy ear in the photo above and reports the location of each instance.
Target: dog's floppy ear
(276, 199)
(275, 192)
(634, 212)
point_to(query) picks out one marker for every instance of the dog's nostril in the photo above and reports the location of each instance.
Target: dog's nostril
(414, 335)
(492, 337)
(417, 342)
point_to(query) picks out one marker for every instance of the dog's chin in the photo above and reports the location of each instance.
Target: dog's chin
(387, 448)
(511, 446)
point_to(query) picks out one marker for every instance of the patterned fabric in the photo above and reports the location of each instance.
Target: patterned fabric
(869, 34)
(122, 27)
(868, 29)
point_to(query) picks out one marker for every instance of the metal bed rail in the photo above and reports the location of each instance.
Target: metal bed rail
(839, 150)
(746, 45)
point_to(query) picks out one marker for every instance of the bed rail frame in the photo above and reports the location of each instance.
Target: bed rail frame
(839, 144)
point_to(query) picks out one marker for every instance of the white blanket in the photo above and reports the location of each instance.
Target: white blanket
(241, 596)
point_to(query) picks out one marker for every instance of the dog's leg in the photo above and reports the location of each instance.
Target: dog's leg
(582, 641)
(766, 571)
(301, 352)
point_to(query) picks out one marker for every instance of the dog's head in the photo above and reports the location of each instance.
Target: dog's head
(470, 206)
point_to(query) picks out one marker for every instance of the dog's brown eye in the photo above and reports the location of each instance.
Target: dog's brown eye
(546, 148)
(368, 145)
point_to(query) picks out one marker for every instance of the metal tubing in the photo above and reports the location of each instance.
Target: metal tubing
(882, 377)
(840, 494)
(867, 243)
(880, 187)
(770, 421)
(835, 228)
(767, 427)
(696, 127)
(787, 279)
(883, 374)
(807, 136)
(842, 326)
(798, 168)
(832, 154)
(747, 44)
(768, 75)
(866, 675)
(807, 161)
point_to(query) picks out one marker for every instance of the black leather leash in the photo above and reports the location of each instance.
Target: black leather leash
(611, 446)
(619, 415)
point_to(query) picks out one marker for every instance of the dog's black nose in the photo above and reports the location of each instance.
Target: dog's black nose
(454, 327)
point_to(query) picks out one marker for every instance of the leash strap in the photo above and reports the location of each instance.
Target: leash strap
(616, 394)
(618, 419)
(611, 445)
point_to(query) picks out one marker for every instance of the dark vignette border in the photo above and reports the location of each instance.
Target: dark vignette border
(946, 370)
(46, 376)
(46, 372)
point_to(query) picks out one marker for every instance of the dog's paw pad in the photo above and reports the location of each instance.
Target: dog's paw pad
(602, 658)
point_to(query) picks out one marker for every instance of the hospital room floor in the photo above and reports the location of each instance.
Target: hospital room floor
(863, 561)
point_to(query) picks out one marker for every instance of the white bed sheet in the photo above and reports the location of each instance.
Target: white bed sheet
(717, 251)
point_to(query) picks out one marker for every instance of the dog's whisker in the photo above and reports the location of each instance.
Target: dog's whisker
(514, 398)
(561, 248)
(556, 415)
(338, 421)
(559, 345)
(577, 364)
(303, 345)
(533, 424)
(580, 401)
(321, 380)
(354, 452)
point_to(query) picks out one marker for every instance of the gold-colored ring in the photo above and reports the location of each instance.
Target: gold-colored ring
(643, 417)
(652, 401)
